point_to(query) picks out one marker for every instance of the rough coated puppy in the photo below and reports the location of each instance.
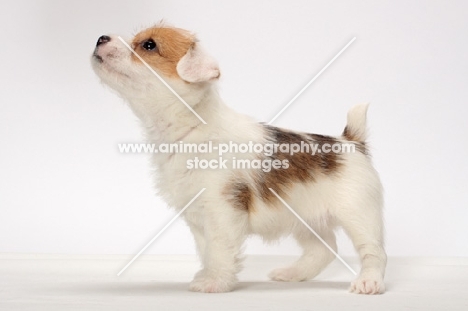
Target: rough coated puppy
(328, 190)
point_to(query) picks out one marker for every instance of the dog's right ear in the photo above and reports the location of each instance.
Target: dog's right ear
(197, 66)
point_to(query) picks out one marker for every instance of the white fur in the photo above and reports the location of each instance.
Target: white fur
(197, 66)
(352, 200)
(357, 121)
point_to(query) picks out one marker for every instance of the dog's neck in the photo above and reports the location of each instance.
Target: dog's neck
(168, 120)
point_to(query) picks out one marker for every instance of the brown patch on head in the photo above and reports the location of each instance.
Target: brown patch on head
(360, 145)
(239, 195)
(303, 166)
(171, 45)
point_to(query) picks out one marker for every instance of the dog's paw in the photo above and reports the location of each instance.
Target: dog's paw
(290, 274)
(367, 285)
(200, 274)
(211, 285)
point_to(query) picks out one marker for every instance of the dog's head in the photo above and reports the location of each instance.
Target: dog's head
(173, 53)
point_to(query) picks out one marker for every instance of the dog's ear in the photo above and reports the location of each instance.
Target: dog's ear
(197, 66)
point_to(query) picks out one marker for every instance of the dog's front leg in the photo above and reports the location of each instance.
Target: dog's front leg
(199, 237)
(224, 232)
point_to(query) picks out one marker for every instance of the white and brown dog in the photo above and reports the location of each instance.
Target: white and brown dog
(328, 190)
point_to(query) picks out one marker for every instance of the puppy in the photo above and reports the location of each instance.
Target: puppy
(327, 189)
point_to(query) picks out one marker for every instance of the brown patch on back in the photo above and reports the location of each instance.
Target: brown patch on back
(239, 195)
(172, 45)
(303, 166)
(328, 162)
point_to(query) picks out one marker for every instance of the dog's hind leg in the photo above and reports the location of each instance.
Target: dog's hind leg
(316, 256)
(365, 229)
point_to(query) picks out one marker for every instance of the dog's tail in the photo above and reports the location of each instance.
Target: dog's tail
(355, 129)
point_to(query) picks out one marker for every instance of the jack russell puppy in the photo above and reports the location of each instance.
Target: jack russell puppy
(326, 189)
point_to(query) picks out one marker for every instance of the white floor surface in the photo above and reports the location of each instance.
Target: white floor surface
(60, 282)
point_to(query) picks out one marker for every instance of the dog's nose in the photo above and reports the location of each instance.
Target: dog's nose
(102, 40)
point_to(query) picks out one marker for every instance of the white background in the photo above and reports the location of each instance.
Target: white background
(64, 188)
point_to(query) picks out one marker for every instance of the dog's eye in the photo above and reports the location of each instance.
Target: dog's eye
(149, 45)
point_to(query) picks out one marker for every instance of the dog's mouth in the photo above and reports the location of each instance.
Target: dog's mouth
(106, 66)
(98, 57)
